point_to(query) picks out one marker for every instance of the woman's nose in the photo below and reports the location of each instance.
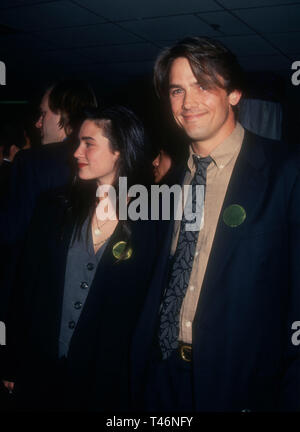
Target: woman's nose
(78, 152)
(155, 162)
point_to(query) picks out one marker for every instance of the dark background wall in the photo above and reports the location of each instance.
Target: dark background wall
(113, 45)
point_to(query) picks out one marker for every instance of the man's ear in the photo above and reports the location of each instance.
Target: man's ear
(234, 97)
(64, 123)
(68, 130)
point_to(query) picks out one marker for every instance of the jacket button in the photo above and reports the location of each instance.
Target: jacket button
(84, 285)
(90, 266)
(77, 305)
(71, 324)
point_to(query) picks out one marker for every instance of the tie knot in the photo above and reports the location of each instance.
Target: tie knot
(201, 164)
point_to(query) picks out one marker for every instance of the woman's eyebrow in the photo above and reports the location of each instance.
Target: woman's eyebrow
(88, 138)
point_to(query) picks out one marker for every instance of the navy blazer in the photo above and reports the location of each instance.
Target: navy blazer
(33, 172)
(97, 363)
(243, 356)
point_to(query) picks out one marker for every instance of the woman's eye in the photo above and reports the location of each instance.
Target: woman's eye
(176, 92)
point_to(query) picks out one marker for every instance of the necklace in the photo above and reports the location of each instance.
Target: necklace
(97, 231)
(100, 242)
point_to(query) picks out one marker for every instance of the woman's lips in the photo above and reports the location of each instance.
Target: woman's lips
(81, 165)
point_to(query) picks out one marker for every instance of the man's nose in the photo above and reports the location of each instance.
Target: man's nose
(39, 122)
(189, 100)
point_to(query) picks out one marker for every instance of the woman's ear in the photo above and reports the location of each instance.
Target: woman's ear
(116, 154)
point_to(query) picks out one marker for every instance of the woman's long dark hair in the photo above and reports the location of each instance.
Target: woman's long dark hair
(125, 133)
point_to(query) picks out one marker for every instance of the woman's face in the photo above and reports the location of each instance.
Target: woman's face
(161, 165)
(94, 156)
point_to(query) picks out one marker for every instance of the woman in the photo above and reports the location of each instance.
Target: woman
(83, 280)
(168, 162)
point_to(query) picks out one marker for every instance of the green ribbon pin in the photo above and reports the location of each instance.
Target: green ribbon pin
(118, 250)
(234, 215)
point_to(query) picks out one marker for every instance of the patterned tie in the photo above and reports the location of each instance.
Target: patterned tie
(181, 268)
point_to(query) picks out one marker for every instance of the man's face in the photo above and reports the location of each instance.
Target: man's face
(204, 114)
(48, 123)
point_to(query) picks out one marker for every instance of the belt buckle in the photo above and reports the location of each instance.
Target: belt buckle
(186, 353)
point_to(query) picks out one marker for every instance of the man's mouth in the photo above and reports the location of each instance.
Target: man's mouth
(193, 116)
(81, 164)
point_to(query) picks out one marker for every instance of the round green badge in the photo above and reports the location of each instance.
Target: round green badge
(119, 248)
(234, 215)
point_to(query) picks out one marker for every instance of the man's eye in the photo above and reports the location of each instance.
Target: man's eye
(203, 87)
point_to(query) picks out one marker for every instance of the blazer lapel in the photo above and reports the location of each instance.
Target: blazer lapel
(247, 189)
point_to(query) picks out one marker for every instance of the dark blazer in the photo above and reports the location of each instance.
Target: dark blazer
(5, 171)
(5, 174)
(33, 172)
(243, 357)
(97, 365)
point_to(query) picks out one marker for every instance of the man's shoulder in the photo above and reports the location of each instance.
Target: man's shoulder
(54, 202)
(45, 161)
(276, 153)
(43, 152)
(269, 145)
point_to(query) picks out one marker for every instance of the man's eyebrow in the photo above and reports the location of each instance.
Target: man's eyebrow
(174, 86)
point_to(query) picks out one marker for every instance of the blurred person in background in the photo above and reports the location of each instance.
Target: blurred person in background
(13, 138)
(168, 162)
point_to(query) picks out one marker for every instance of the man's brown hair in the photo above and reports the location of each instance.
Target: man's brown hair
(70, 98)
(209, 60)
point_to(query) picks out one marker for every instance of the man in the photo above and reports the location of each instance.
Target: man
(13, 138)
(49, 122)
(61, 109)
(41, 169)
(216, 330)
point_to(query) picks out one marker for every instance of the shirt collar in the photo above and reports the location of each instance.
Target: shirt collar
(224, 153)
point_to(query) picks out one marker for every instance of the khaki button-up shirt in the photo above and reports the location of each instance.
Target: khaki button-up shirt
(218, 175)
